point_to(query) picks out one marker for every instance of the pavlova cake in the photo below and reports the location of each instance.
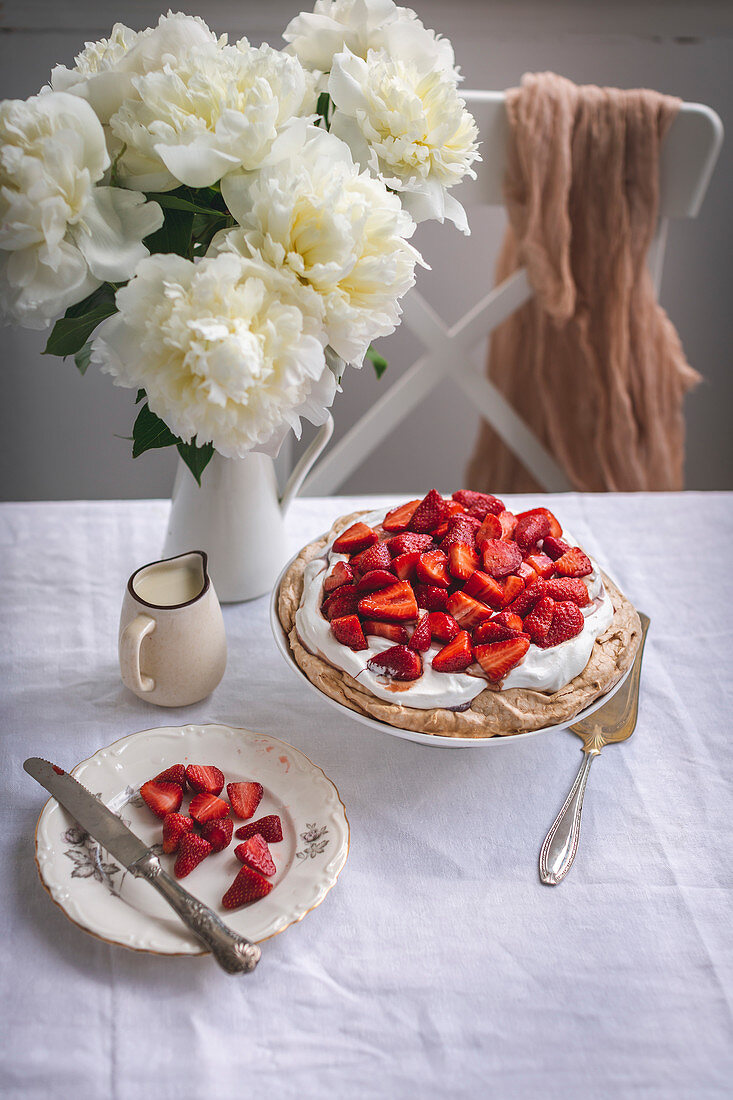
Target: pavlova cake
(457, 617)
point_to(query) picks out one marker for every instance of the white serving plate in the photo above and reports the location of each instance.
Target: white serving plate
(104, 899)
(434, 740)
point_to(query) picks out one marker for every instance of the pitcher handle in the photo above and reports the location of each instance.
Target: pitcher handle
(300, 472)
(130, 642)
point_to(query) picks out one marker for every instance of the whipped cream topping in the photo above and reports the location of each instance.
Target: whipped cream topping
(540, 669)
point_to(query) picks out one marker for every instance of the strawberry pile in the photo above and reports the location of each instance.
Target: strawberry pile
(207, 827)
(466, 573)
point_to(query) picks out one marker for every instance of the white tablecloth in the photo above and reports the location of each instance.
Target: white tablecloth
(438, 965)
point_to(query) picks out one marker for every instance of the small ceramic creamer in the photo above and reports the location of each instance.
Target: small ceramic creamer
(172, 643)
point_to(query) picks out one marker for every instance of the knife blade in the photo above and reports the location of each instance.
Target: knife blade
(233, 952)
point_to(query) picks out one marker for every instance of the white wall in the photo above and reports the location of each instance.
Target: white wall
(58, 432)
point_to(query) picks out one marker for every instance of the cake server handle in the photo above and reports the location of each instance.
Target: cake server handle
(561, 843)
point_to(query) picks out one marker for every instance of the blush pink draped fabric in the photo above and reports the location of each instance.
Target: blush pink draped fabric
(592, 363)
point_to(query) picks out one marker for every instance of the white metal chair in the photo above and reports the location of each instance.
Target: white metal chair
(688, 158)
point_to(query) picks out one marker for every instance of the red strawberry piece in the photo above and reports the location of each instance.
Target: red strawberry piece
(490, 529)
(344, 601)
(554, 548)
(254, 853)
(408, 543)
(395, 603)
(462, 561)
(270, 829)
(483, 587)
(526, 600)
(204, 777)
(539, 620)
(492, 631)
(248, 886)
(466, 611)
(175, 774)
(393, 631)
(161, 796)
(568, 588)
(443, 627)
(541, 564)
(508, 522)
(498, 658)
(527, 574)
(207, 807)
(355, 538)
(218, 833)
(455, 656)
(430, 598)
(432, 568)
(175, 826)
(573, 563)
(399, 518)
(500, 558)
(511, 589)
(530, 528)
(191, 851)
(342, 573)
(373, 580)
(430, 513)
(421, 635)
(555, 528)
(461, 529)
(245, 798)
(454, 508)
(510, 619)
(475, 501)
(567, 621)
(348, 631)
(405, 565)
(399, 662)
(375, 557)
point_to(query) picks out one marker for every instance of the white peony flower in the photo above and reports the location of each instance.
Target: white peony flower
(218, 108)
(338, 230)
(60, 235)
(228, 350)
(406, 122)
(363, 25)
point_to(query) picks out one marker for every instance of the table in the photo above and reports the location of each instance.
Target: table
(438, 965)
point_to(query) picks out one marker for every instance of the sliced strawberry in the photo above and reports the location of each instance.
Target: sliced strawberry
(432, 568)
(245, 798)
(498, 658)
(531, 527)
(248, 886)
(430, 513)
(567, 621)
(511, 589)
(541, 564)
(175, 826)
(399, 518)
(218, 833)
(554, 548)
(460, 530)
(568, 588)
(204, 777)
(466, 611)
(207, 807)
(270, 829)
(508, 522)
(509, 619)
(348, 631)
(479, 502)
(430, 598)
(500, 558)
(399, 662)
(191, 851)
(393, 631)
(344, 601)
(555, 528)
(405, 565)
(492, 631)
(455, 656)
(254, 853)
(174, 774)
(462, 561)
(355, 538)
(161, 796)
(395, 604)
(408, 543)
(443, 627)
(374, 580)
(342, 573)
(539, 620)
(490, 529)
(573, 563)
(483, 587)
(375, 557)
(421, 635)
(527, 574)
(526, 600)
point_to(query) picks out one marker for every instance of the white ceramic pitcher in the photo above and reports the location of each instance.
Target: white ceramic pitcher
(237, 517)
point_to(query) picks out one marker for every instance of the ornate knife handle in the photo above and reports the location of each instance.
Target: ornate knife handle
(233, 952)
(561, 843)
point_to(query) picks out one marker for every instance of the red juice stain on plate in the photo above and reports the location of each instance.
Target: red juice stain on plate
(59, 771)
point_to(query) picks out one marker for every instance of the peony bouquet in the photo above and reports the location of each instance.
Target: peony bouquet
(223, 228)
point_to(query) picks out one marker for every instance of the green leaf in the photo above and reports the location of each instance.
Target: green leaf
(150, 431)
(103, 294)
(174, 235)
(196, 458)
(378, 361)
(70, 334)
(140, 395)
(83, 357)
(170, 201)
(323, 108)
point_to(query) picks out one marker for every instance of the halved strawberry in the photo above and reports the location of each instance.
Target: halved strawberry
(348, 631)
(393, 631)
(539, 620)
(399, 662)
(245, 798)
(483, 587)
(375, 557)
(430, 512)
(508, 522)
(554, 548)
(395, 603)
(526, 600)
(342, 573)
(443, 627)
(355, 538)
(191, 851)
(466, 611)
(574, 563)
(254, 853)
(405, 565)
(430, 598)
(344, 601)
(432, 568)
(399, 518)
(421, 635)
(175, 826)
(270, 829)
(531, 527)
(174, 774)
(541, 564)
(455, 656)
(462, 561)
(478, 502)
(511, 589)
(207, 807)
(555, 528)
(218, 833)
(568, 588)
(509, 619)
(204, 777)
(527, 574)
(461, 530)
(492, 631)
(374, 580)
(567, 621)
(490, 529)
(500, 558)
(498, 658)
(248, 886)
(408, 543)
(161, 796)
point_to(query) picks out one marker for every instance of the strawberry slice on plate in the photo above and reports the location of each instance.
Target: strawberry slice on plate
(554, 548)
(432, 569)
(510, 619)
(349, 632)
(408, 543)
(342, 573)
(511, 588)
(508, 522)
(248, 886)
(490, 529)
(398, 661)
(541, 564)
(568, 588)
(205, 777)
(393, 631)
(554, 526)
(270, 829)
(399, 518)
(539, 620)
(573, 563)
(344, 601)
(460, 529)
(205, 807)
(477, 502)
(500, 558)
(395, 603)
(567, 622)
(245, 797)
(374, 579)
(526, 600)
(405, 565)
(531, 527)
(421, 635)
(375, 557)
(191, 851)
(498, 658)
(355, 538)
(443, 627)
(456, 656)
(466, 611)
(492, 631)
(430, 597)
(174, 774)
(254, 853)
(218, 833)
(484, 588)
(430, 513)
(462, 561)
(161, 796)
(175, 827)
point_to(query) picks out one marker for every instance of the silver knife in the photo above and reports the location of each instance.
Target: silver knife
(233, 952)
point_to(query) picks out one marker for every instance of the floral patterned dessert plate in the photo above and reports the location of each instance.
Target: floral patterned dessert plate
(100, 896)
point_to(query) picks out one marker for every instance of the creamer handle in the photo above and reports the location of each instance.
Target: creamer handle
(130, 641)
